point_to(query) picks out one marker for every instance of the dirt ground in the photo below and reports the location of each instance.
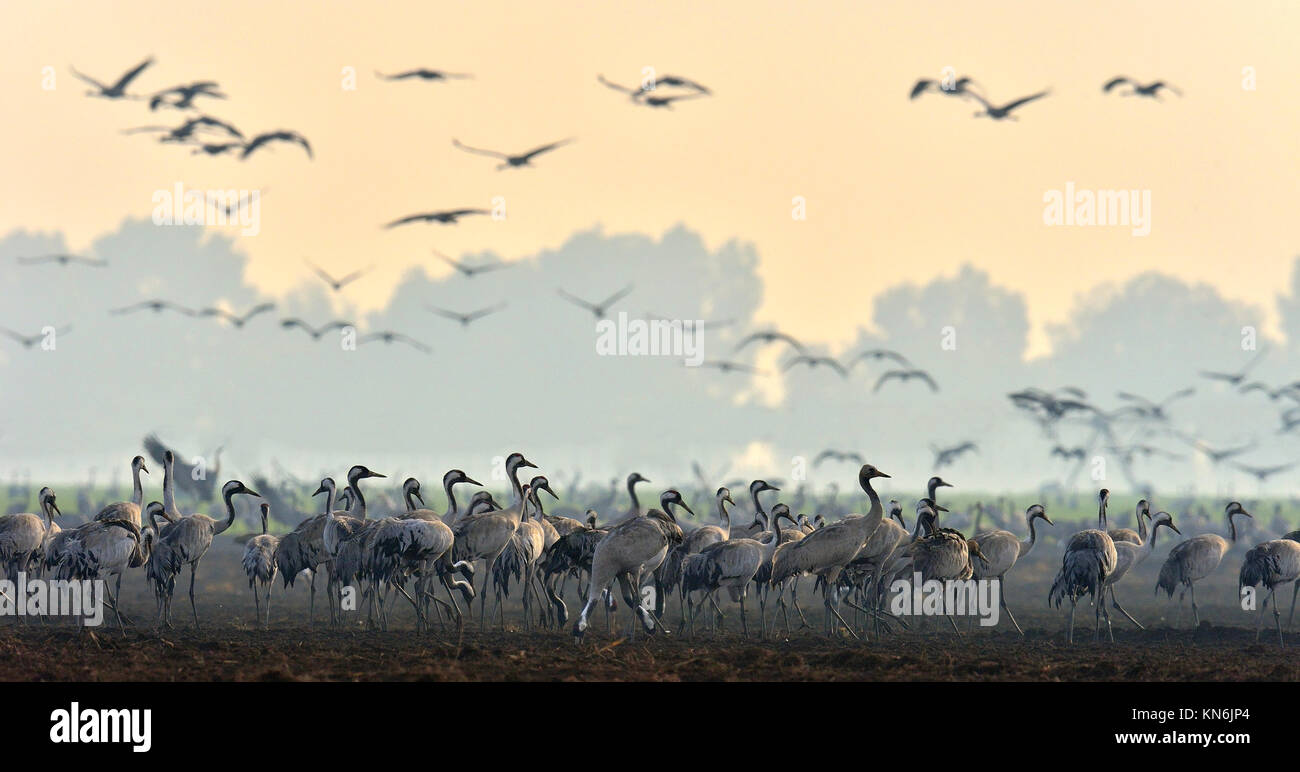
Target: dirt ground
(229, 648)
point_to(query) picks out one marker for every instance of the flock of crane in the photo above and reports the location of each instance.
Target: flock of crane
(437, 560)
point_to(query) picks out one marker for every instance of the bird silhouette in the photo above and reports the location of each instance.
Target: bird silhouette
(839, 456)
(878, 354)
(424, 74)
(1262, 473)
(467, 318)
(157, 306)
(186, 131)
(27, 341)
(1075, 453)
(598, 309)
(814, 362)
(1151, 90)
(1236, 378)
(523, 159)
(675, 81)
(1154, 410)
(770, 336)
(1004, 112)
(185, 95)
(339, 283)
(727, 366)
(906, 375)
(390, 337)
(445, 217)
(644, 98)
(960, 87)
(946, 456)
(314, 332)
(235, 206)
(118, 89)
(239, 320)
(281, 135)
(63, 260)
(470, 271)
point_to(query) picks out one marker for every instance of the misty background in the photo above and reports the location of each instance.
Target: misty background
(529, 378)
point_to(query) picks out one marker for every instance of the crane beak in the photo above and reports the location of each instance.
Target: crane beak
(686, 507)
(880, 474)
(471, 481)
(376, 474)
(55, 507)
(144, 469)
(1048, 520)
(1174, 528)
(940, 508)
(727, 499)
(528, 463)
(251, 492)
(319, 491)
(944, 485)
(418, 497)
(547, 488)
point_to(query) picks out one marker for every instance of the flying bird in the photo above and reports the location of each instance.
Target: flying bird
(424, 74)
(1262, 473)
(1004, 112)
(813, 362)
(601, 308)
(446, 217)
(466, 319)
(675, 81)
(281, 135)
(1070, 454)
(186, 131)
(960, 87)
(470, 271)
(770, 336)
(878, 354)
(185, 95)
(314, 332)
(1154, 410)
(508, 161)
(239, 320)
(62, 259)
(340, 283)
(726, 366)
(390, 337)
(640, 97)
(28, 341)
(839, 456)
(906, 375)
(946, 456)
(118, 89)
(1151, 89)
(157, 306)
(1236, 378)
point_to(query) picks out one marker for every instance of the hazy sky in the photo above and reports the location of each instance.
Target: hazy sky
(810, 100)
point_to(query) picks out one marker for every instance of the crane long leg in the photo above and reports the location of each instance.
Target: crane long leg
(1115, 602)
(1069, 634)
(1294, 592)
(269, 585)
(1196, 617)
(1277, 619)
(117, 603)
(311, 605)
(257, 603)
(194, 569)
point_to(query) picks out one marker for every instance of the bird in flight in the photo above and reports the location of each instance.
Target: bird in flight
(390, 337)
(340, 283)
(508, 161)
(1217, 455)
(1262, 473)
(236, 205)
(644, 97)
(599, 309)
(314, 332)
(840, 456)
(446, 217)
(1004, 112)
(906, 375)
(959, 88)
(157, 306)
(186, 131)
(118, 89)
(28, 341)
(281, 135)
(1234, 378)
(185, 95)
(1075, 453)
(62, 259)
(726, 366)
(771, 336)
(1156, 410)
(674, 81)
(216, 148)
(946, 456)
(813, 362)
(466, 319)
(237, 319)
(1151, 90)
(878, 354)
(424, 74)
(470, 271)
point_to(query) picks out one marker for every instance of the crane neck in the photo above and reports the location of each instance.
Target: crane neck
(169, 491)
(137, 490)
(227, 496)
(631, 492)
(1027, 546)
(409, 496)
(358, 498)
(451, 498)
(724, 515)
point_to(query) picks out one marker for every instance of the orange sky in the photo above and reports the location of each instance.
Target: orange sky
(811, 100)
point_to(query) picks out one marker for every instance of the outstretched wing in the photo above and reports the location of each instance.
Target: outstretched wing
(131, 74)
(478, 151)
(544, 149)
(1113, 82)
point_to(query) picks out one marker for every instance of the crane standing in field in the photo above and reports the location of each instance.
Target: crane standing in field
(260, 564)
(1089, 559)
(1197, 558)
(1002, 549)
(1270, 564)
